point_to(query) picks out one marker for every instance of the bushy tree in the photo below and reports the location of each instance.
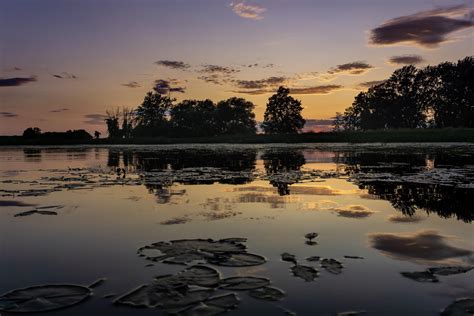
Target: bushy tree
(193, 118)
(235, 116)
(283, 114)
(32, 132)
(152, 115)
(112, 121)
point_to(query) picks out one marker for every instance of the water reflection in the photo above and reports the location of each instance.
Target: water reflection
(430, 180)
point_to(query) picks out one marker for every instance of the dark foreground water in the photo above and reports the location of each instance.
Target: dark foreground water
(72, 215)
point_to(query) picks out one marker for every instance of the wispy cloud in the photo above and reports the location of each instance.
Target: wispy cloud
(248, 11)
(367, 84)
(65, 75)
(217, 74)
(318, 125)
(426, 28)
(226, 70)
(16, 81)
(166, 86)
(323, 89)
(131, 84)
(8, 114)
(174, 64)
(406, 60)
(352, 68)
(59, 110)
(95, 119)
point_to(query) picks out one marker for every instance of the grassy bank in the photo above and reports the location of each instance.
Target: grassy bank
(384, 136)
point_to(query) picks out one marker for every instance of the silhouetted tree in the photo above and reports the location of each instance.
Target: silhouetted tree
(283, 114)
(32, 132)
(193, 118)
(127, 122)
(235, 116)
(152, 115)
(436, 96)
(112, 122)
(97, 134)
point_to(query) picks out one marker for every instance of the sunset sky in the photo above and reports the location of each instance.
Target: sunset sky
(64, 62)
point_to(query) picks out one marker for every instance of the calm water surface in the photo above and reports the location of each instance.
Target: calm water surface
(402, 208)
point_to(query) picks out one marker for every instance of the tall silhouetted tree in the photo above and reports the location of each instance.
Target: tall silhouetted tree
(127, 122)
(283, 114)
(152, 115)
(193, 118)
(235, 116)
(112, 121)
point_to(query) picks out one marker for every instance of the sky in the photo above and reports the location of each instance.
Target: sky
(63, 63)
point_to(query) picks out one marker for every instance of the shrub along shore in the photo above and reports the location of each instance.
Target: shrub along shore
(372, 136)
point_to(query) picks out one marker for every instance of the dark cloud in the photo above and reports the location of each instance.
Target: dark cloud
(218, 69)
(406, 60)
(59, 110)
(258, 65)
(167, 86)
(212, 78)
(421, 246)
(405, 219)
(426, 28)
(324, 89)
(65, 75)
(16, 81)
(368, 84)
(131, 84)
(260, 84)
(174, 64)
(95, 119)
(8, 114)
(353, 68)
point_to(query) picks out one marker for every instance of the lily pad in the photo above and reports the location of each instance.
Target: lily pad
(201, 276)
(353, 257)
(43, 298)
(225, 252)
(421, 276)
(306, 273)
(237, 260)
(213, 306)
(313, 258)
(267, 293)
(460, 307)
(332, 266)
(311, 236)
(288, 257)
(244, 283)
(450, 270)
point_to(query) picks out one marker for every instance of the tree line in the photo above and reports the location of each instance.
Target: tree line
(159, 115)
(432, 97)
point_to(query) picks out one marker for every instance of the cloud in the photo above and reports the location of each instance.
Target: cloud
(420, 246)
(65, 75)
(353, 211)
(406, 60)
(352, 68)
(367, 84)
(261, 83)
(167, 86)
(426, 28)
(217, 74)
(318, 125)
(95, 119)
(131, 84)
(218, 69)
(248, 11)
(16, 81)
(396, 218)
(324, 89)
(174, 64)
(59, 110)
(258, 65)
(8, 114)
